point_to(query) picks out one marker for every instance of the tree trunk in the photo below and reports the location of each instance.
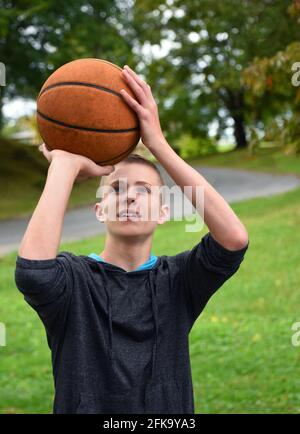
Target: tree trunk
(239, 132)
(235, 104)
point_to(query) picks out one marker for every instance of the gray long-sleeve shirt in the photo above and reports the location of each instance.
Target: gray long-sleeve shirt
(118, 339)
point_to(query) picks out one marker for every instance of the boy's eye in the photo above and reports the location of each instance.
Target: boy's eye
(144, 189)
(120, 189)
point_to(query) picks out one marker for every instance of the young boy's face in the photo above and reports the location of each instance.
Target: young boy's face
(131, 202)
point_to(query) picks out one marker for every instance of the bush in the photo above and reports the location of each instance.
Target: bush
(285, 136)
(193, 147)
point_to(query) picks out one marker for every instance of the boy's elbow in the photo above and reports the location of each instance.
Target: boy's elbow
(238, 240)
(241, 240)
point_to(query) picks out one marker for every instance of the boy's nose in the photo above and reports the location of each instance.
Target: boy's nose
(131, 198)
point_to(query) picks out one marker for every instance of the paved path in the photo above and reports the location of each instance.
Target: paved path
(234, 185)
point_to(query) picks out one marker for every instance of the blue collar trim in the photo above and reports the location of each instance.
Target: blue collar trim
(148, 264)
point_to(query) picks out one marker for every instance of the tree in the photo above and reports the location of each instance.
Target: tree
(38, 37)
(212, 42)
(277, 79)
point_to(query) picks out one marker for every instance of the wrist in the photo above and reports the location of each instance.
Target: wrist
(158, 145)
(64, 165)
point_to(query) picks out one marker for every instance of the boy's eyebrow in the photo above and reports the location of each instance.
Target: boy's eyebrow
(136, 183)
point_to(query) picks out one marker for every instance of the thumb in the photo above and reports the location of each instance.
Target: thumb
(105, 170)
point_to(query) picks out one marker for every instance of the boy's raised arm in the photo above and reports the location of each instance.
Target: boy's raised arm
(219, 217)
(42, 237)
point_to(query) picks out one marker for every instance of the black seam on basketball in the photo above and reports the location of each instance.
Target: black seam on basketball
(117, 156)
(80, 83)
(77, 127)
(103, 161)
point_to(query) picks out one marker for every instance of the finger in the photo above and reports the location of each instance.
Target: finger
(43, 148)
(137, 89)
(103, 170)
(131, 101)
(139, 80)
(46, 148)
(109, 168)
(44, 151)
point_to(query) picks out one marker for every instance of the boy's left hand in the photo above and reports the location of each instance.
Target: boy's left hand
(145, 108)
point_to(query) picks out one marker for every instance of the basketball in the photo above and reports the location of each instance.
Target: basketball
(80, 109)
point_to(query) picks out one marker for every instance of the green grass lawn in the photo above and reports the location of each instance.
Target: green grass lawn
(241, 352)
(265, 161)
(23, 172)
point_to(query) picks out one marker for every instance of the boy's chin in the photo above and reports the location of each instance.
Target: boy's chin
(130, 227)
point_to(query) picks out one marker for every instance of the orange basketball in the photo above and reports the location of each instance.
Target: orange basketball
(80, 109)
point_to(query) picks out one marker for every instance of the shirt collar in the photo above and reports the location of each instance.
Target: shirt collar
(148, 264)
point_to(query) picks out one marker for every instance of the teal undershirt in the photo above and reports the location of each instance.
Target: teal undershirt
(148, 264)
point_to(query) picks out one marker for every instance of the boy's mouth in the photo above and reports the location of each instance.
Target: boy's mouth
(129, 215)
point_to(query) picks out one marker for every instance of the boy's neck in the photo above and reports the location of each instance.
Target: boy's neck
(125, 253)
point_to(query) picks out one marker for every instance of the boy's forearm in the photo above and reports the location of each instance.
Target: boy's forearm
(219, 217)
(42, 237)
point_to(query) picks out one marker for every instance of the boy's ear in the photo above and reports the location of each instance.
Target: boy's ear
(99, 212)
(164, 214)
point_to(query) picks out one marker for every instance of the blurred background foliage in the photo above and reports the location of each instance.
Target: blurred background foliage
(216, 69)
(225, 76)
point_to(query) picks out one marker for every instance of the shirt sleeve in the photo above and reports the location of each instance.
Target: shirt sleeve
(204, 269)
(46, 286)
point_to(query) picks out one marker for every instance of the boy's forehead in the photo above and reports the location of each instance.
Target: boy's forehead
(132, 173)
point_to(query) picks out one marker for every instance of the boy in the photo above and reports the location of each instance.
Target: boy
(118, 323)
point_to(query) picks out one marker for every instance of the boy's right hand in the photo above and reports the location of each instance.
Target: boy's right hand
(84, 167)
